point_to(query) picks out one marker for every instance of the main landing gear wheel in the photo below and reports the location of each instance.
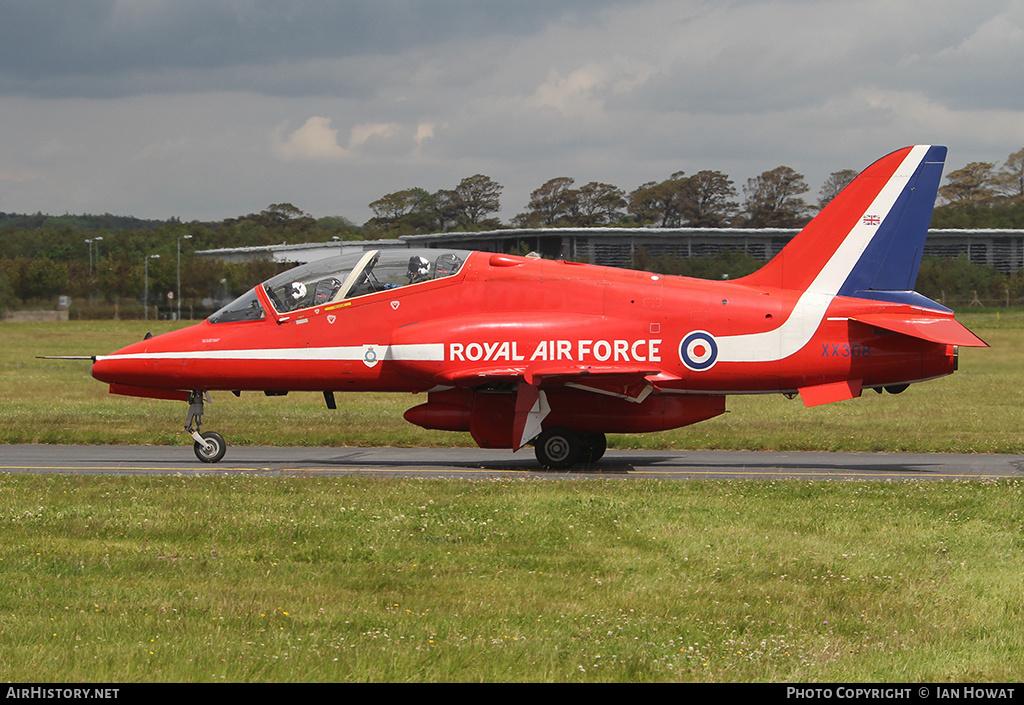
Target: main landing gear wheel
(558, 448)
(214, 449)
(594, 446)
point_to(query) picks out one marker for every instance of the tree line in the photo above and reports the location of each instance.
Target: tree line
(976, 194)
(106, 260)
(705, 199)
(107, 269)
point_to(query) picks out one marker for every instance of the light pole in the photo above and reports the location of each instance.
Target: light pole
(93, 242)
(145, 295)
(178, 292)
(92, 272)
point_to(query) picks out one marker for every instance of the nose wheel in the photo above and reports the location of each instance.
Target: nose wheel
(209, 447)
(212, 448)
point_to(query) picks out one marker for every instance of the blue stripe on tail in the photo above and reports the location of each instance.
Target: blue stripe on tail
(887, 270)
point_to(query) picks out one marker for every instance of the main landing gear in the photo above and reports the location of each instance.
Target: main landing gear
(209, 447)
(558, 448)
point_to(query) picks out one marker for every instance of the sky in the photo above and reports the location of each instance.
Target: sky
(211, 109)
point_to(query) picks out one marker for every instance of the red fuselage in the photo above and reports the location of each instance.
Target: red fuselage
(502, 315)
(518, 350)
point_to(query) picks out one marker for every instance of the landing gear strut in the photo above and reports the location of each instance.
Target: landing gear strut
(209, 447)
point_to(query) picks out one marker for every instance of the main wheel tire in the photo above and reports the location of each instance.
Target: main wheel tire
(594, 446)
(216, 450)
(558, 448)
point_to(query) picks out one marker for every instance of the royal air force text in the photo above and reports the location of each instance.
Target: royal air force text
(646, 350)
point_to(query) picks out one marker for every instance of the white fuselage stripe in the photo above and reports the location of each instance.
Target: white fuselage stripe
(426, 352)
(803, 322)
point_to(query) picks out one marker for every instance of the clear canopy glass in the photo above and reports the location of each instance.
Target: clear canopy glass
(337, 279)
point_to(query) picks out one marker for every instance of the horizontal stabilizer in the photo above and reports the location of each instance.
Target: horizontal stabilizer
(935, 330)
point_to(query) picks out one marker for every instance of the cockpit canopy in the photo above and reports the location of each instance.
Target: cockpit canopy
(336, 279)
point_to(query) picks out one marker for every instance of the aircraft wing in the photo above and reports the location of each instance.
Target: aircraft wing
(933, 329)
(613, 380)
(632, 384)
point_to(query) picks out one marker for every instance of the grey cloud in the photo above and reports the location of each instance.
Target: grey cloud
(761, 57)
(106, 47)
(160, 107)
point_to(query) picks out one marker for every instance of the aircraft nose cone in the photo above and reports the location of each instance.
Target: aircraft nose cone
(148, 362)
(110, 369)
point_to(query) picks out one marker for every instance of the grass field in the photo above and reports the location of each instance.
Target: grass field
(353, 579)
(242, 578)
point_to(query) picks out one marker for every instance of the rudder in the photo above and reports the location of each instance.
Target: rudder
(868, 241)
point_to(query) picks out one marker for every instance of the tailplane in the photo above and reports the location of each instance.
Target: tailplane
(868, 241)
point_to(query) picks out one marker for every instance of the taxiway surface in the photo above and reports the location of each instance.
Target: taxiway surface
(475, 462)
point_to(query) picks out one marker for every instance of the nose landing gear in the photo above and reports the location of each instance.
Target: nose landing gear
(209, 447)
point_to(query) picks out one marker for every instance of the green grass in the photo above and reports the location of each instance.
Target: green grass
(49, 401)
(173, 579)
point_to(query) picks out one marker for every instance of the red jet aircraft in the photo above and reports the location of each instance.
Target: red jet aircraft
(517, 350)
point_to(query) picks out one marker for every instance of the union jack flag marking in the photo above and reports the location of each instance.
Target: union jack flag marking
(872, 220)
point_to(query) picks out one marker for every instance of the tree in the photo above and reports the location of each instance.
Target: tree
(660, 203)
(973, 184)
(1010, 179)
(409, 210)
(728, 263)
(773, 199)
(706, 199)
(331, 226)
(599, 204)
(286, 215)
(557, 203)
(446, 209)
(36, 278)
(835, 183)
(475, 197)
(391, 208)
(701, 200)
(553, 203)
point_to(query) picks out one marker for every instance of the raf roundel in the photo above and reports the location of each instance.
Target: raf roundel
(698, 351)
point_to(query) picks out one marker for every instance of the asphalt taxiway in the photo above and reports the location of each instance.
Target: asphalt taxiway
(476, 462)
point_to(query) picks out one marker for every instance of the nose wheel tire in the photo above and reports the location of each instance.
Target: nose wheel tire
(214, 449)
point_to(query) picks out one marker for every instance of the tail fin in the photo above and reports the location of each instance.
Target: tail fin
(868, 241)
